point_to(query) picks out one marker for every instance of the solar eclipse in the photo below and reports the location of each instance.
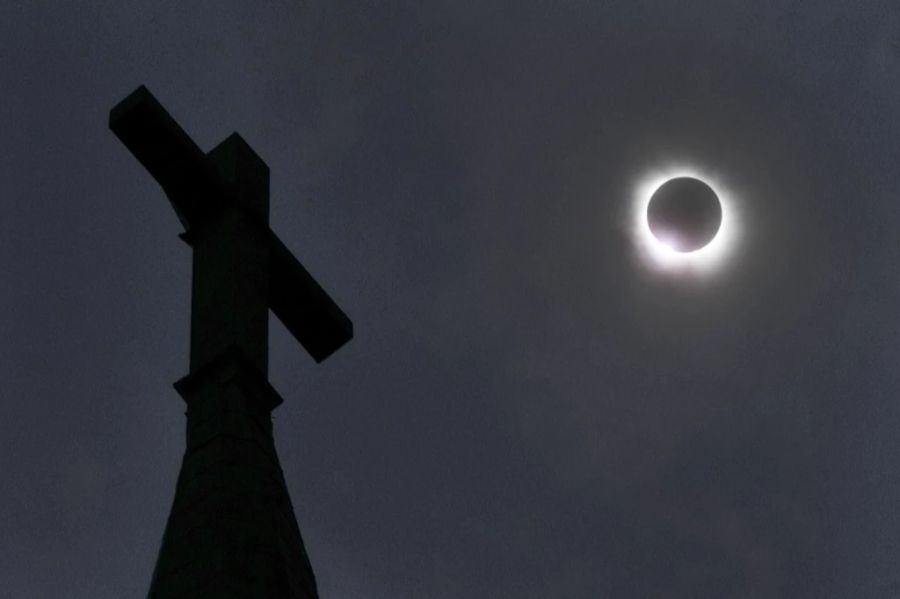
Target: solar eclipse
(684, 220)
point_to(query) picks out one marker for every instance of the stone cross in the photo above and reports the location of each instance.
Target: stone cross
(231, 530)
(241, 269)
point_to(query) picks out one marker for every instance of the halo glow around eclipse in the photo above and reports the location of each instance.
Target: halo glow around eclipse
(659, 255)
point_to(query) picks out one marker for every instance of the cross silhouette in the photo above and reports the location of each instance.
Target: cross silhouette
(240, 267)
(231, 530)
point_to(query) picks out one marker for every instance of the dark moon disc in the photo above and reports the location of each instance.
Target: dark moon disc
(684, 214)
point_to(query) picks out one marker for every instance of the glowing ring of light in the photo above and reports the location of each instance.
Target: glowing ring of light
(706, 259)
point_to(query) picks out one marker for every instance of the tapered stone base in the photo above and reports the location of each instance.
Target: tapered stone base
(232, 532)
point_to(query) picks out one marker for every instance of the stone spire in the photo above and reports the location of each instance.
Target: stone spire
(232, 530)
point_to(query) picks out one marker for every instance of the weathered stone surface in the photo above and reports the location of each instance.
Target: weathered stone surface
(232, 530)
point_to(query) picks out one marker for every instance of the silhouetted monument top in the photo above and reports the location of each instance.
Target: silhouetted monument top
(231, 531)
(201, 188)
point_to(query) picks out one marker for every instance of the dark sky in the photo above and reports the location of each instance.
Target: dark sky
(527, 410)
